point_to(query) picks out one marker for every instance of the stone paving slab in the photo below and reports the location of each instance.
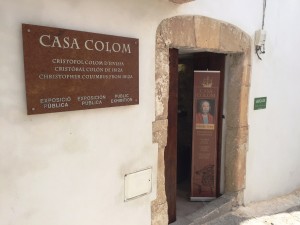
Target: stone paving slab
(276, 219)
(284, 210)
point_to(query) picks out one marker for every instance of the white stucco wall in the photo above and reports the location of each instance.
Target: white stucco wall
(68, 168)
(274, 149)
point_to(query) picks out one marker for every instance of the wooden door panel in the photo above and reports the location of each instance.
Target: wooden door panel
(171, 148)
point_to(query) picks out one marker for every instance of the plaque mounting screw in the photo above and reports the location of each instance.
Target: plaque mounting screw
(28, 30)
(33, 109)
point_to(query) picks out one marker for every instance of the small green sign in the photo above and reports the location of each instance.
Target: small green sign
(260, 103)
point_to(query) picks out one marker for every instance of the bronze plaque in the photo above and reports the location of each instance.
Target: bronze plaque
(205, 127)
(71, 70)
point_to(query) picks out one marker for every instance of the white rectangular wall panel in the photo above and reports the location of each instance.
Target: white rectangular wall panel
(138, 184)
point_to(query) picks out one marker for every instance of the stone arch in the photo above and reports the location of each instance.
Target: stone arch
(205, 34)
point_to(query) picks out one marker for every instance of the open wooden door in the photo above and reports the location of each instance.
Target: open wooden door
(171, 148)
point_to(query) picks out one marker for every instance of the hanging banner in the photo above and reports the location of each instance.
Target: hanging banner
(205, 127)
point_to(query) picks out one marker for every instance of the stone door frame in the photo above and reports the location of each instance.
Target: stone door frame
(203, 34)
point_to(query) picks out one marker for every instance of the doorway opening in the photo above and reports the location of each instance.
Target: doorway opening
(187, 64)
(202, 34)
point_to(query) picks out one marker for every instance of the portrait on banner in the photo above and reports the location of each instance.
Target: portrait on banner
(205, 115)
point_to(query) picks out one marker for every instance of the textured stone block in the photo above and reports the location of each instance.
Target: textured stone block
(207, 33)
(160, 132)
(237, 108)
(179, 32)
(162, 83)
(181, 1)
(231, 38)
(159, 214)
(235, 159)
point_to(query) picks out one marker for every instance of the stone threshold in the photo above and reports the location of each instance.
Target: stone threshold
(211, 211)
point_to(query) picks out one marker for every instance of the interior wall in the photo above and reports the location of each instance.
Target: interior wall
(224, 126)
(185, 117)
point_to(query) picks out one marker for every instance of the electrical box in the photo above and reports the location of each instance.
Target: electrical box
(138, 184)
(260, 37)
